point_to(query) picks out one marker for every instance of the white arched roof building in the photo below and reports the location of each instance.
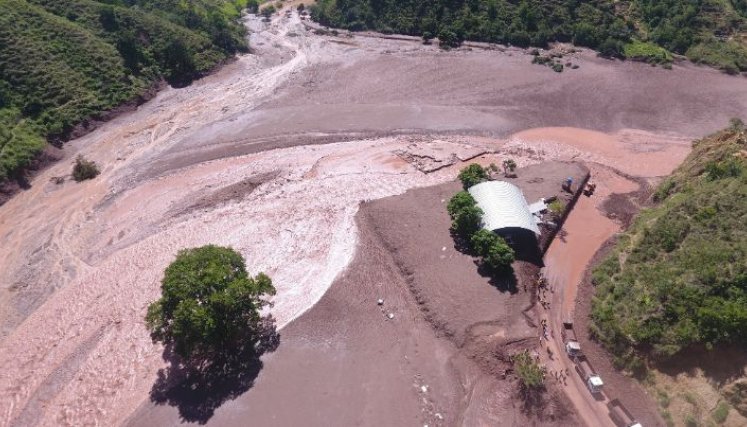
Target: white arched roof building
(503, 206)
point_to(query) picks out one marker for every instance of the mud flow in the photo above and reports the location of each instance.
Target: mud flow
(273, 155)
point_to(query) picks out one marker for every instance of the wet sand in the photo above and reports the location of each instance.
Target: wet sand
(324, 125)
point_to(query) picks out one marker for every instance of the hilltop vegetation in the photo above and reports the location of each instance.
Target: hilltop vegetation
(65, 62)
(677, 279)
(708, 31)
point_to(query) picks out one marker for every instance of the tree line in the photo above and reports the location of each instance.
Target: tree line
(63, 63)
(705, 30)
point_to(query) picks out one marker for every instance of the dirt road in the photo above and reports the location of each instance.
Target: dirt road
(586, 229)
(272, 155)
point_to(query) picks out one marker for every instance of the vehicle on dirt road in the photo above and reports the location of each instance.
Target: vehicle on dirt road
(621, 416)
(593, 381)
(572, 346)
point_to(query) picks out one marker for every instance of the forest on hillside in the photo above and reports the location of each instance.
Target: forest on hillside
(65, 62)
(677, 279)
(707, 31)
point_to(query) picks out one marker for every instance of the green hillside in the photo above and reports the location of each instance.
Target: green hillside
(62, 62)
(678, 277)
(708, 31)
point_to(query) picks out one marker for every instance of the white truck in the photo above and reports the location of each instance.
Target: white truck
(593, 381)
(572, 347)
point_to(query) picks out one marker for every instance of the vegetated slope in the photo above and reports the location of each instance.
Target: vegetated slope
(677, 279)
(63, 62)
(707, 31)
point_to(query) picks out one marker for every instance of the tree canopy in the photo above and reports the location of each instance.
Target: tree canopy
(472, 175)
(528, 371)
(707, 31)
(493, 249)
(65, 62)
(209, 303)
(466, 219)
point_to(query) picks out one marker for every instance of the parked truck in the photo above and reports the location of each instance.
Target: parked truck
(572, 347)
(593, 381)
(620, 415)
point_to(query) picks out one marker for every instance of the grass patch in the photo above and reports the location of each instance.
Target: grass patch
(647, 52)
(663, 398)
(557, 207)
(729, 56)
(721, 413)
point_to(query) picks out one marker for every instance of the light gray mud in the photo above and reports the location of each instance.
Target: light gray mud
(394, 86)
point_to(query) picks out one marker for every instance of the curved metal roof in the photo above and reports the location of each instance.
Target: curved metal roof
(503, 206)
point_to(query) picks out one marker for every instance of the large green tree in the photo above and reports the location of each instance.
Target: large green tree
(472, 175)
(209, 303)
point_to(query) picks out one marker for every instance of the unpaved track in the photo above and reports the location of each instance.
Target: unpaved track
(80, 262)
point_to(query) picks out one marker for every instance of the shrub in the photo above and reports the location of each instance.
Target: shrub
(482, 240)
(611, 48)
(721, 413)
(499, 256)
(664, 399)
(427, 37)
(668, 418)
(557, 67)
(556, 207)
(267, 11)
(209, 303)
(467, 221)
(472, 175)
(736, 124)
(253, 6)
(726, 169)
(493, 250)
(528, 371)
(509, 166)
(459, 202)
(84, 169)
(664, 189)
(448, 39)
(541, 60)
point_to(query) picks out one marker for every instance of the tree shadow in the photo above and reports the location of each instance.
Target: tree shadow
(533, 400)
(503, 280)
(198, 387)
(461, 244)
(721, 365)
